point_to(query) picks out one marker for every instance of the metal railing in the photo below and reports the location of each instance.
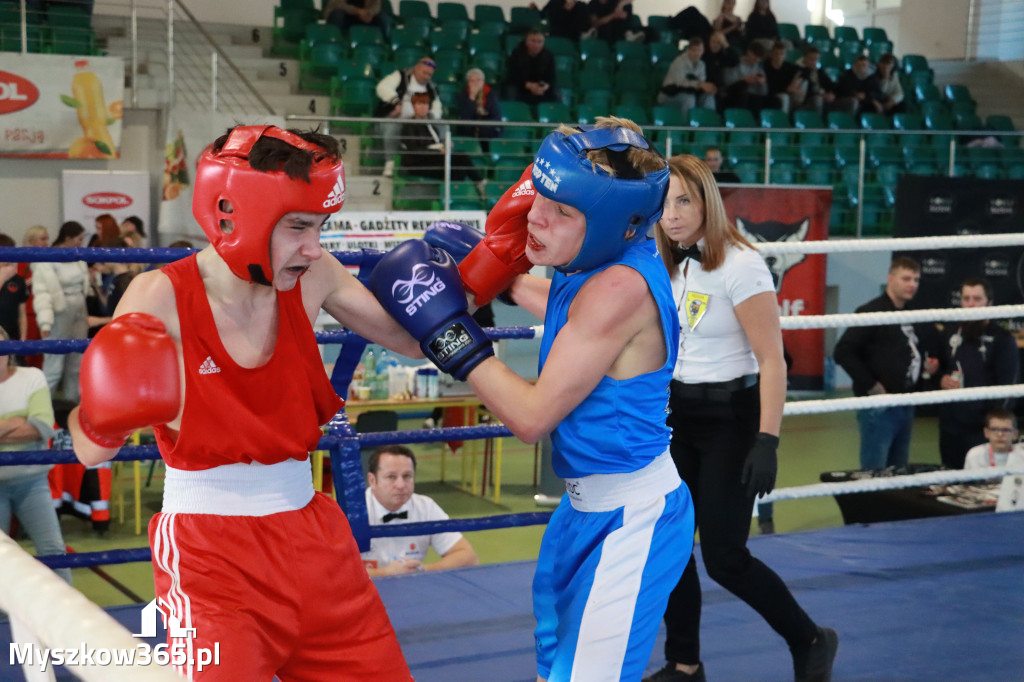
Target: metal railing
(862, 165)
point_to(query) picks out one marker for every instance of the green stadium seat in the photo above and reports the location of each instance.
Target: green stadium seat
(885, 156)
(927, 93)
(627, 50)
(815, 33)
(1000, 122)
(741, 118)
(873, 35)
(591, 47)
(404, 57)
(491, 63)
(488, 14)
(358, 98)
(784, 174)
(663, 53)
(845, 34)
(790, 32)
(968, 121)
(749, 172)
(877, 49)
(1011, 156)
(561, 46)
(450, 37)
(315, 74)
(65, 16)
(593, 79)
(372, 54)
(521, 19)
(819, 173)
(776, 118)
(495, 29)
(817, 154)
(447, 11)
(365, 35)
(1015, 172)
(785, 154)
(920, 154)
(989, 171)
(848, 52)
(288, 29)
(465, 197)
(914, 62)
(586, 113)
(553, 113)
(414, 8)
(810, 120)
(922, 77)
(406, 36)
(634, 112)
(420, 26)
(705, 118)
(323, 33)
(600, 97)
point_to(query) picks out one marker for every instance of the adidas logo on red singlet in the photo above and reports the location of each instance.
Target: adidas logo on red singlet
(208, 366)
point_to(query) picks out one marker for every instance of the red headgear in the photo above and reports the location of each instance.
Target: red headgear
(256, 200)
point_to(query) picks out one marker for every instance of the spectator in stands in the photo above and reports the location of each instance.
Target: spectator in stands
(27, 424)
(718, 58)
(713, 160)
(1002, 448)
(530, 71)
(424, 148)
(686, 82)
(858, 90)
(972, 353)
(889, 84)
(478, 102)
(818, 91)
(885, 359)
(59, 291)
(690, 22)
(783, 77)
(567, 18)
(746, 86)
(730, 25)
(13, 298)
(611, 19)
(135, 230)
(390, 498)
(345, 13)
(395, 93)
(761, 25)
(39, 237)
(106, 228)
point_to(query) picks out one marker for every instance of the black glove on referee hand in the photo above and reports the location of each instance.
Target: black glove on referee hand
(761, 465)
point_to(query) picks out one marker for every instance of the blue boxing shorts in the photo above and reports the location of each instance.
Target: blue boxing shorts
(612, 553)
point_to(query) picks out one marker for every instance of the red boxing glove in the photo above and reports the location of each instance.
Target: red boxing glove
(129, 379)
(495, 262)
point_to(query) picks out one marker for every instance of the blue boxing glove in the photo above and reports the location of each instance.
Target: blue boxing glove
(458, 239)
(420, 287)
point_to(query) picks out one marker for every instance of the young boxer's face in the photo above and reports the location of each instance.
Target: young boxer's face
(556, 232)
(294, 246)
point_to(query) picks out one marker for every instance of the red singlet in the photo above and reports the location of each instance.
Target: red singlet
(235, 414)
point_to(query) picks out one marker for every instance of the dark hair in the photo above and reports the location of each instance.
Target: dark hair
(757, 49)
(904, 263)
(272, 154)
(811, 49)
(979, 282)
(420, 98)
(1000, 413)
(137, 222)
(181, 244)
(69, 230)
(712, 148)
(6, 240)
(778, 45)
(887, 58)
(400, 450)
(694, 41)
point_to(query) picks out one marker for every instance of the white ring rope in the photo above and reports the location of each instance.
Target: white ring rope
(952, 395)
(967, 241)
(901, 317)
(889, 483)
(61, 617)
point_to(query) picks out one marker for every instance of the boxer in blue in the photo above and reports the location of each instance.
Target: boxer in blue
(611, 553)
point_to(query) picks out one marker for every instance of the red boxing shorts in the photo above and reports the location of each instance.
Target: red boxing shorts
(284, 594)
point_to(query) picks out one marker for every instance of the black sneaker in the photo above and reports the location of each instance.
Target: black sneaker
(670, 674)
(814, 664)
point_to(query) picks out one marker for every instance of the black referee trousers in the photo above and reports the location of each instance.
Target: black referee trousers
(710, 441)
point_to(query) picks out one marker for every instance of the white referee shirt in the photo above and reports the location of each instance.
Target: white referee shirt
(983, 456)
(712, 344)
(420, 508)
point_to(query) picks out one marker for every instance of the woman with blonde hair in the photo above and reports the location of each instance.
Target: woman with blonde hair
(60, 290)
(725, 401)
(478, 102)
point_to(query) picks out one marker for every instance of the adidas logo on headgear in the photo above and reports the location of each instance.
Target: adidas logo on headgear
(208, 366)
(337, 194)
(525, 188)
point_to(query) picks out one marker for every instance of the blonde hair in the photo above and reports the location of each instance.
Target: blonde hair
(644, 160)
(719, 233)
(34, 232)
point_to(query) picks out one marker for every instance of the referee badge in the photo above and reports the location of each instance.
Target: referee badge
(696, 306)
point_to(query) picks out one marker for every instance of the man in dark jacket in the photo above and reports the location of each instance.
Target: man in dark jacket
(972, 353)
(859, 90)
(530, 71)
(886, 359)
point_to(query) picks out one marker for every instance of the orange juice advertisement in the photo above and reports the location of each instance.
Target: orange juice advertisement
(57, 106)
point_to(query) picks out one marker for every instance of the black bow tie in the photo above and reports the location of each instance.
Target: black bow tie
(391, 516)
(679, 253)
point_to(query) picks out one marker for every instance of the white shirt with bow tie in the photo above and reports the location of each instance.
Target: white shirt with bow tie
(420, 508)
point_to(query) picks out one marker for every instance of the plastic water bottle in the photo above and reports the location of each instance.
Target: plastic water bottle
(370, 364)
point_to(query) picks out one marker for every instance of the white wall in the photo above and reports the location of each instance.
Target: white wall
(935, 34)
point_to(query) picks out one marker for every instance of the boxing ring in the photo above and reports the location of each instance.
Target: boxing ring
(900, 594)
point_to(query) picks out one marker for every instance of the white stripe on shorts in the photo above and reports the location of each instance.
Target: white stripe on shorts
(608, 615)
(166, 556)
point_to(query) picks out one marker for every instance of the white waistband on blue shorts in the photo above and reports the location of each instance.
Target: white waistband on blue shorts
(605, 492)
(239, 489)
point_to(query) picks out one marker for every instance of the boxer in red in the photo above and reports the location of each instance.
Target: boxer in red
(217, 352)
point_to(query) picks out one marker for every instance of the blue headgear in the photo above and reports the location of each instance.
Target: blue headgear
(613, 206)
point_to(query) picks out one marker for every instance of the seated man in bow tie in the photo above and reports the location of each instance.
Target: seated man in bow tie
(391, 479)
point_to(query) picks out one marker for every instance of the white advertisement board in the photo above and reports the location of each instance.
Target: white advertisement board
(89, 194)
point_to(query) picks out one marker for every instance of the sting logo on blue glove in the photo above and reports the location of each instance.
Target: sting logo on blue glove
(450, 342)
(404, 290)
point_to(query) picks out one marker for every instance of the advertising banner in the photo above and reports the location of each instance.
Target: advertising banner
(89, 194)
(60, 106)
(384, 230)
(790, 214)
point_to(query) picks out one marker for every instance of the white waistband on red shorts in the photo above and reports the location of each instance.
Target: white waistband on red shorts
(239, 489)
(605, 492)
